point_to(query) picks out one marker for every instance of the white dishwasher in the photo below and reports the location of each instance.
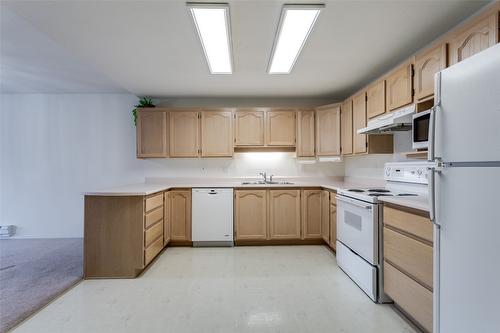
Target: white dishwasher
(212, 216)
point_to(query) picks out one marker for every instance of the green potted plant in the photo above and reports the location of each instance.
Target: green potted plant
(144, 102)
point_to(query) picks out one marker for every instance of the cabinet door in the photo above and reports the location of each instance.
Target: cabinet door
(249, 128)
(216, 133)
(184, 140)
(250, 214)
(333, 224)
(399, 88)
(167, 225)
(180, 215)
(427, 64)
(359, 121)
(311, 214)
(305, 133)
(280, 127)
(346, 128)
(284, 214)
(474, 38)
(151, 134)
(325, 216)
(328, 131)
(375, 101)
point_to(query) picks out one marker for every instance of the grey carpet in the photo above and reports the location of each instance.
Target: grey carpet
(33, 272)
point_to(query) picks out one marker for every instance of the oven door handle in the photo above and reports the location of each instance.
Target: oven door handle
(354, 202)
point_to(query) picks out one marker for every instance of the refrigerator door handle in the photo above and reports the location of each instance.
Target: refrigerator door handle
(431, 154)
(432, 194)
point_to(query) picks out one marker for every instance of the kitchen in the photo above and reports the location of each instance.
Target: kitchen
(362, 196)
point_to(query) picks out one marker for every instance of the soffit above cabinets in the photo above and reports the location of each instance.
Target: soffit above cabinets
(151, 47)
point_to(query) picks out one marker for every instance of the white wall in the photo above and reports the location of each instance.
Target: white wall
(54, 147)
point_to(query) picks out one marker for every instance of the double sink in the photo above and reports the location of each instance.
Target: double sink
(267, 182)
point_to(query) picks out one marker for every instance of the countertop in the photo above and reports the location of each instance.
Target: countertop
(154, 185)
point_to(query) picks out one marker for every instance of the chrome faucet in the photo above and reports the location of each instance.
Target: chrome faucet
(271, 178)
(264, 175)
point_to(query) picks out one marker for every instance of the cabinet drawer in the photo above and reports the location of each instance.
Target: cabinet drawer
(410, 255)
(413, 224)
(154, 232)
(154, 201)
(413, 298)
(153, 217)
(152, 250)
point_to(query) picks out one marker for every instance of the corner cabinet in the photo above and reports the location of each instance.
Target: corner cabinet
(184, 133)
(476, 36)
(427, 64)
(399, 87)
(151, 133)
(375, 99)
(249, 127)
(280, 127)
(217, 133)
(328, 130)
(250, 214)
(179, 208)
(284, 214)
(305, 133)
(346, 128)
(311, 214)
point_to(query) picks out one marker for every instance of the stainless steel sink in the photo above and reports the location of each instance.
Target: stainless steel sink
(261, 182)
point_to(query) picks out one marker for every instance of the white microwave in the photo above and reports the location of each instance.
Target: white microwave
(420, 129)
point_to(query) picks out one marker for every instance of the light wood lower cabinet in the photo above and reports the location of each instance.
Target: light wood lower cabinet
(284, 214)
(122, 234)
(179, 202)
(250, 214)
(325, 216)
(151, 133)
(408, 262)
(311, 214)
(217, 133)
(333, 222)
(167, 225)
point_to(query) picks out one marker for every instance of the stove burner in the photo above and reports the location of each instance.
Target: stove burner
(355, 190)
(380, 190)
(380, 194)
(406, 195)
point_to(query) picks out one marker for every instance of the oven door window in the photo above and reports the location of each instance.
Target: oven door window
(356, 228)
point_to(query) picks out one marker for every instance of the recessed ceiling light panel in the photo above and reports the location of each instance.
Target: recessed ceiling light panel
(295, 25)
(213, 25)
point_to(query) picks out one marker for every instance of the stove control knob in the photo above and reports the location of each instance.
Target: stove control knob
(419, 172)
(388, 171)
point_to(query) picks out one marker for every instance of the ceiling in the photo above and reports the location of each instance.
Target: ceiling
(150, 48)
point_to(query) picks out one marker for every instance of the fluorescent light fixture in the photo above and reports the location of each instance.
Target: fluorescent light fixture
(295, 25)
(213, 25)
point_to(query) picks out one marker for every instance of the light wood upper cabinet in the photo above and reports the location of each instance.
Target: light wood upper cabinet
(427, 64)
(375, 101)
(180, 214)
(359, 121)
(328, 130)
(151, 134)
(474, 37)
(280, 127)
(249, 127)
(305, 133)
(284, 214)
(346, 127)
(217, 133)
(325, 215)
(250, 214)
(311, 214)
(399, 87)
(184, 133)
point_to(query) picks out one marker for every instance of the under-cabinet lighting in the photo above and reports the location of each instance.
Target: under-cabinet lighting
(295, 25)
(213, 26)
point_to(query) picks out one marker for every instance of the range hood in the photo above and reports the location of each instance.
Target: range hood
(396, 121)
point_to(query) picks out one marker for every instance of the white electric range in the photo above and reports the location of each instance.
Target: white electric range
(359, 224)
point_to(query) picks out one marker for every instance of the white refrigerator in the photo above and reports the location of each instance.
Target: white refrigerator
(464, 195)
